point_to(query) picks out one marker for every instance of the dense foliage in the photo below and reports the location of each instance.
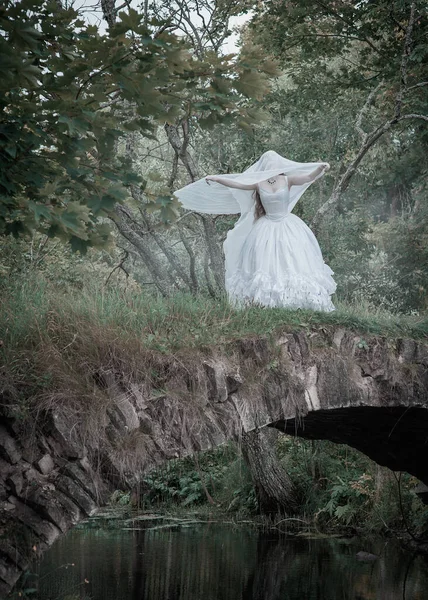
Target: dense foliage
(69, 92)
(332, 46)
(356, 93)
(338, 487)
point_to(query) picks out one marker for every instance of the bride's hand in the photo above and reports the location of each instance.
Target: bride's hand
(326, 167)
(210, 178)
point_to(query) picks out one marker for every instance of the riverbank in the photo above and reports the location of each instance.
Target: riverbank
(340, 492)
(126, 518)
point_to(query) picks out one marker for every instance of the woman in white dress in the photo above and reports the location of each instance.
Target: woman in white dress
(272, 257)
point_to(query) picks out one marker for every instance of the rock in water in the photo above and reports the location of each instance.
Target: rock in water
(366, 556)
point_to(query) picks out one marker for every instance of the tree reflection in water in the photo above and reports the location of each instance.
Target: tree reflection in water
(215, 562)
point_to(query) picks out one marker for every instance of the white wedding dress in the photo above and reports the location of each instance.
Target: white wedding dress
(275, 260)
(280, 263)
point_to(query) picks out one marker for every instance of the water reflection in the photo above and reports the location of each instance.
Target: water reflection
(213, 562)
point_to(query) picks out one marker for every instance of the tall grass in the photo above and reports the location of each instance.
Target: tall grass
(54, 344)
(33, 310)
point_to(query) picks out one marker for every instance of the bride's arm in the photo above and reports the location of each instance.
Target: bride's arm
(301, 179)
(230, 183)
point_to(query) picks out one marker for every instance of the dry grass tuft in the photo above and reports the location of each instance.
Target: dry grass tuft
(66, 349)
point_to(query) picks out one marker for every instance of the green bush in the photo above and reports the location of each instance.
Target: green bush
(338, 487)
(189, 480)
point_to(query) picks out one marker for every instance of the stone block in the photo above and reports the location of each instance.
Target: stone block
(30, 518)
(217, 385)
(139, 395)
(33, 476)
(44, 502)
(15, 482)
(9, 447)
(4, 588)
(76, 494)
(12, 554)
(422, 492)
(61, 429)
(233, 382)
(74, 512)
(83, 478)
(5, 469)
(9, 573)
(46, 464)
(127, 412)
(31, 454)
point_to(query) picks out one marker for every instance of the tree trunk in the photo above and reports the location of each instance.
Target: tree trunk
(275, 490)
(383, 478)
(130, 230)
(214, 251)
(179, 141)
(109, 11)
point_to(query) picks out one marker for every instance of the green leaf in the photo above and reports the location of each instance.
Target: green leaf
(79, 245)
(74, 124)
(11, 150)
(40, 210)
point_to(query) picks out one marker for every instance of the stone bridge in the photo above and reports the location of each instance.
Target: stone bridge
(60, 460)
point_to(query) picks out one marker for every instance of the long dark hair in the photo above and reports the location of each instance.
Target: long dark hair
(259, 210)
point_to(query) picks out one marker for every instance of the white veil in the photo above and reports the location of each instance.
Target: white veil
(217, 199)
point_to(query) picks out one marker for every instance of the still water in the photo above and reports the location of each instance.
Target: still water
(218, 562)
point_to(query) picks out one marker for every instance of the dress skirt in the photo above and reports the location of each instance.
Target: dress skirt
(280, 264)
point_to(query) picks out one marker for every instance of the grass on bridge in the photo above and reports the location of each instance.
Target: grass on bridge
(34, 313)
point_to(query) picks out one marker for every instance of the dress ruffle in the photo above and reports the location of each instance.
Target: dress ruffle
(280, 264)
(292, 291)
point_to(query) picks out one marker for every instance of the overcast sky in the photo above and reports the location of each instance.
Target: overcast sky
(93, 13)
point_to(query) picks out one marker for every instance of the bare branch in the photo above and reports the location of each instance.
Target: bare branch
(127, 3)
(97, 73)
(201, 16)
(334, 35)
(146, 11)
(344, 181)
(169, 25)
(404, 61)
(394, 20)
(189, 212)
(417, 85)
(119, 266)
(180, 148)
(413, 116)
(363, 111)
